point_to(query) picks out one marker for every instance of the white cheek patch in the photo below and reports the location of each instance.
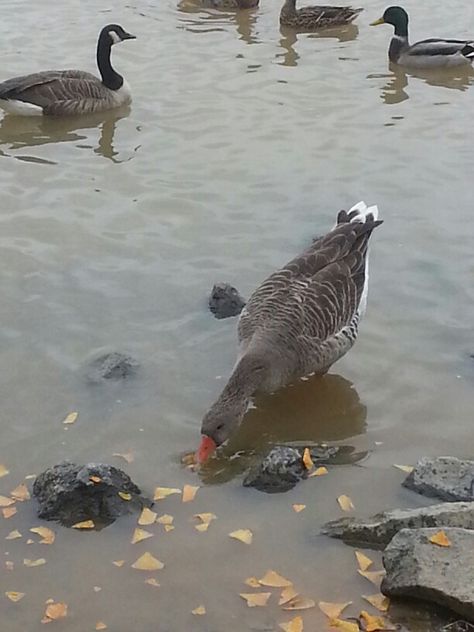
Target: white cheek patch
(114, 37)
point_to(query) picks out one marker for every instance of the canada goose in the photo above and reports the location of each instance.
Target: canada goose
(429, 53)
(299, 321)
(314, 18)
(68, 92)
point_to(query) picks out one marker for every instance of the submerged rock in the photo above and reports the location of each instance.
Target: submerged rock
(110, 365)
(444, 477)
(458, 626)
(71, 493)
(225, 301)
(377, 531)
(417, 568)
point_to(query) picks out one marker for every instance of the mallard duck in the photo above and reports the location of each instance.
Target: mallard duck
(66, 92)
(301, 320)
(429, 53)
(228, 4)
(314, 18)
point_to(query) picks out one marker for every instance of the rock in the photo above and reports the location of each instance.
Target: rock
(110, 365)
(67, 493)
(417, 568)
(458, 626)
(444, 477)
(377, 531)
(225, 301)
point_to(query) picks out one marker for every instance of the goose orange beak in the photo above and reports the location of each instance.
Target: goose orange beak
(206, 448)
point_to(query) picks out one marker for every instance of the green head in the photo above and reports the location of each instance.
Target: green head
(397, 17)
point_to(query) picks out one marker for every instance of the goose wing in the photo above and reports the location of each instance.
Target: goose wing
(435, 46)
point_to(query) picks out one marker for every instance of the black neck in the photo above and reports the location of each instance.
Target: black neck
(401, 29)
(110, 77)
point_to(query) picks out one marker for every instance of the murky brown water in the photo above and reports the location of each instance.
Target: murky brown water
(241, 144)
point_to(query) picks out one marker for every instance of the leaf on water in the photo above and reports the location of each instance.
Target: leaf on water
(298, 508)
(319, 471)
(100, 625)
(440, 539)
(85, 524)
(97, 589)
(252, 582)
(21, 493)
(363, 561)
(126, 456)
(13, 535)
(204, 526)
(345, 503)
(200, 610)
(299, 603)
(379, 601)
(6, 502)
(345, 626)
(189, 493)
(8, 512)
(205, 517)
(152, 582)
(374, 624)
(333, 610)
(118, 563)
(46, 534)
(275, 580)
(38, 562)
(30, 541)
(147, 517)
(147, 562)
(244, 535)
(9, 565)
(168, 527)
(256, 599)
(4, 472)
(295, 625)
(14, 596)
(71, 418)
(141, 534)
(307, 460)
(164, 492)
(56, 610)
(373, 576)
(95, 479)
(404, 468)
(287, 594)
(165, 519)
(125, 495)
(189, 459)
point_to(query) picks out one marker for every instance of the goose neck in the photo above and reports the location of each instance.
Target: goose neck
(110, 77)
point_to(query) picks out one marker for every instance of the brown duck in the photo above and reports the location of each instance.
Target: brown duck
(317, 17)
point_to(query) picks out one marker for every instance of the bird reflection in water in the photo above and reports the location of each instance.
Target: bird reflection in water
(208, 19)
(308, 412)
(289, 37)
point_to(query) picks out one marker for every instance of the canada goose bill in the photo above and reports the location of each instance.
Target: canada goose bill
(70, 92)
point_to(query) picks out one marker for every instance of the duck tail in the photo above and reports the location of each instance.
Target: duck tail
(468, 50)
(360, 213)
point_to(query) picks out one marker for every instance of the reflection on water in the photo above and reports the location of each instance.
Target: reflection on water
(289, 37)
(244, 20)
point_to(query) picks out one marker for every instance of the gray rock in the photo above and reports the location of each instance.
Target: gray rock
(110, 365)
(444, 477)
(418, 569)
(225, 301)
(66, 493)
(377, 531)
(458, 626)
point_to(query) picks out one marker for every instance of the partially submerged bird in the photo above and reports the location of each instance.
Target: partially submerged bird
(299, 321)
(69, 92)
(314, 18)
(429, 53)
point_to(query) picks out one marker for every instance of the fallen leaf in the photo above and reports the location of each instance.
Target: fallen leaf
(252, 582)
(85, 524)
(147, 562)
(256, 599)
(345, 626)
(30, 541)
(95, 479)
(168, 527)
(287, 594)
(307, 460)
(38, 562)
(152, 582)
(404, 468)
(6, 502)
(100, 625)
(118, 563)
(319, 471)
(8, 512)
(71, 418)
(375, 624)
(299, 603)
(379, 601)
(373, 576)
(333, 610)
(165, 519)
(273, 579)
(56, 610)
(141, 534)
(204, 526)
(9, 565)
(126, 456)
(30, 476)
(345, 503)
(125, 495)
(244, 535)
(200, 610)
(13, 535)
(14, 596)
(46, 534)
(440, 538)
(97, 589)
(363, 561)
(295, 625)
(164, 492)
(20, 493)
(189, 493)
(147, 517)
(189, 459)
(4, 472)
(298, 508)
(205, 517)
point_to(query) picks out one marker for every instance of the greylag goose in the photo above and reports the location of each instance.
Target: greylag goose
(299, 321)
(69, 92)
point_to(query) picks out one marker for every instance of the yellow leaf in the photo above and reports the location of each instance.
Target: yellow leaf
(164, 492)
(71, 418)
(252, 582)
(200, 610)
(256, 599)
(56, 610)
(319, 471)
(168, 527)
(165, 519)
(13, 535)
(345, 503)
(299, 603)
(46, 534)
(189, 493)
(345, 626)
(204, 526)
(374, 624)
(152, 582)
(244, 535)
(379, 601)
(85, 524)
(147, 562)
(205, 517)
(440, 538)
(363, 561)
(141, 534)
(373, 576)
(4, 472)
(189, 459)
(30, 541)
(147, 517)
(9, 565)
(333, 610)
(287, 594)
(38, 562)
(307, 460)
(100, 625)
(273, 579)
(14, 596)
(404, 468)
(118, 563)
(127, 456)
(8, 512)
(95, 479)
(298, 508)
(295, 625)
(6, 502)
(21, 493)
(125, 495)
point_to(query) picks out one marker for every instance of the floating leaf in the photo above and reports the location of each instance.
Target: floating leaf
(168, 527)
(379, 601)
(319, 471)
(345, 503)
(56, 610)
(374, 624)
(307, 460)
(126, 456)
(118, 563)
(256, 599)
(189, 493)
(345, 626)
(95, 479)
(100, 625)
(164, 492)
(252, 582)
(204, 526)
(287, 594)
(6, 502)
(295, 625)
(85, 524)
(38, 562)
(147, 517)
(273, 579)
(244, 535)
(298, 508)
(4, 472)
(13, 535)
(189, 459)
(30, 541)
(46, 534)
(141, 534)
(152, 582)
(200, 610)
(440, 538)
(373, 576)
(363, 561)
(14, 596)
(404, 468)
(147, 562)
(21, 493)
(333, 610)
(125, 495)
(165, 519)
(97, 589)
(299, 603)
(8, 512)
(71, 418)
(9, 565)
(205, 517)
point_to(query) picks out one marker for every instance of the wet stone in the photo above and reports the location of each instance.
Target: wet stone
(458, 626)
(110, 365)
(225, 301)
(444, 477)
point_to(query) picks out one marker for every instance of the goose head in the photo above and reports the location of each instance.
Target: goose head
(115, 33)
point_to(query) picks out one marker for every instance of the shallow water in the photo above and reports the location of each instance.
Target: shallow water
(242, 144)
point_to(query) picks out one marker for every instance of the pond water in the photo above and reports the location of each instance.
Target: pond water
(242, 143)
